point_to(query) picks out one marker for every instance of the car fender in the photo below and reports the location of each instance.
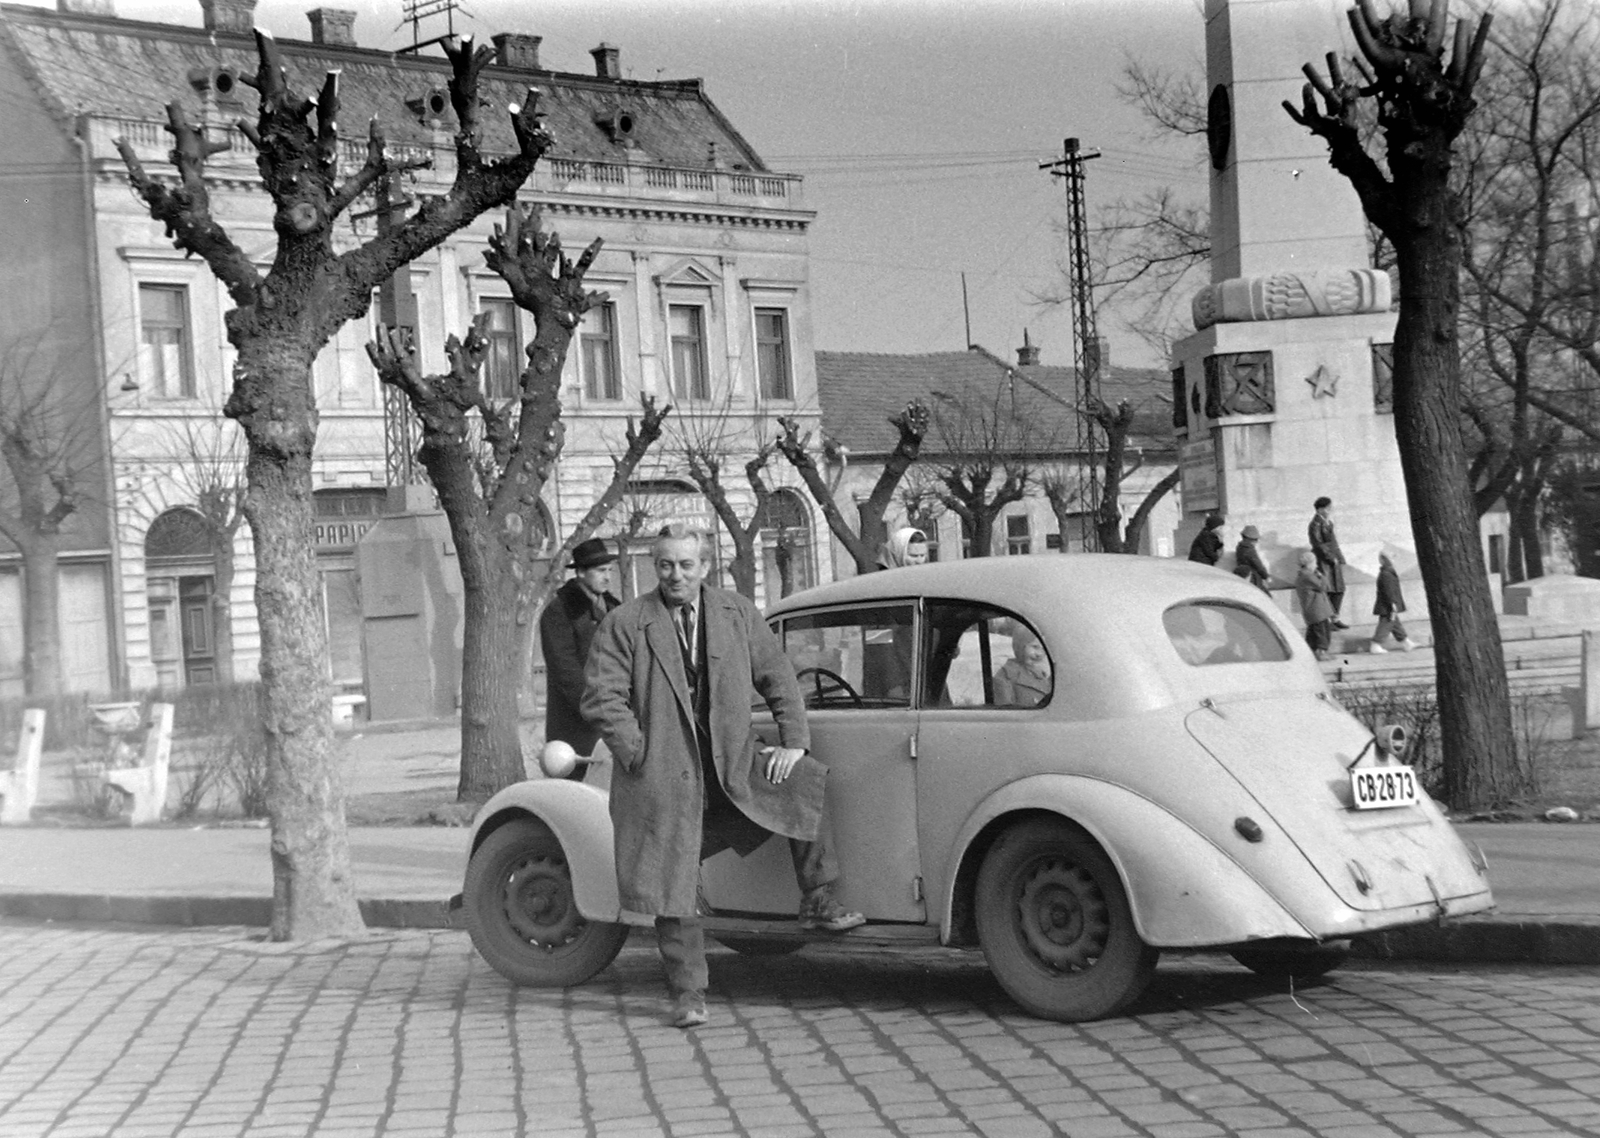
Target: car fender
(579, 815)
(1184, 891)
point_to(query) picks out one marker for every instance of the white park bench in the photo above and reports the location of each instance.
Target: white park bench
(19, 786)
(146, 783)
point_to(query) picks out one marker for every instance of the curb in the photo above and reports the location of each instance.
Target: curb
(1494, 940)
(196, 911)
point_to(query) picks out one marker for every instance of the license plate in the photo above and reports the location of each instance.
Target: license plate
(1379, 788)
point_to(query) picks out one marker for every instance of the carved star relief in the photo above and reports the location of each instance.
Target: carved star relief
(1322, 382)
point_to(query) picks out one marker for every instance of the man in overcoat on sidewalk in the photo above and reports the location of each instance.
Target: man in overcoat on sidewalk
(668, 685)
(566, 628)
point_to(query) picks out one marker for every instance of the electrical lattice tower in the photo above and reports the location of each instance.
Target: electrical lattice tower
(1086, 340)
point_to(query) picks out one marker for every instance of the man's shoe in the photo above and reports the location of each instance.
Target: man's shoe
(822, 913)
(1340, 624)
(1378, 648)
(689, 1010)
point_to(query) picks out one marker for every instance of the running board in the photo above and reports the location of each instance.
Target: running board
(788, 929)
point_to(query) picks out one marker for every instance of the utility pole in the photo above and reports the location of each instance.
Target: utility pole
(1086, 339)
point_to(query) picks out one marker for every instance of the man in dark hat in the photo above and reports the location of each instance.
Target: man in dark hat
(565, 631)
(1207, 545)
(1330, 558)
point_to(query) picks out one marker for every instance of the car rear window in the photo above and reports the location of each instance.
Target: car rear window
(1215, 632)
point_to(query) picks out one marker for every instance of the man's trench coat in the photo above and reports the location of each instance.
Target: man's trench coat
(637, 694)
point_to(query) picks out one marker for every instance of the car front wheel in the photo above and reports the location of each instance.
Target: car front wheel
(522, 915)
(1055, 925)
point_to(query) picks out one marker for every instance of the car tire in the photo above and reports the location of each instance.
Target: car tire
(1055, 925)
(522, 915)
(1300, 962)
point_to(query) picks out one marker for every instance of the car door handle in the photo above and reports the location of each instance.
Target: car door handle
(911, 747)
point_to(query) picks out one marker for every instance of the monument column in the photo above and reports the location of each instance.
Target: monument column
(1281, 394)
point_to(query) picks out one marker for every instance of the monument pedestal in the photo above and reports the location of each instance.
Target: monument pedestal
(1278, 413)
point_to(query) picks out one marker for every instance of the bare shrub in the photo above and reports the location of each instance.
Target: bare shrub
(1415, 709)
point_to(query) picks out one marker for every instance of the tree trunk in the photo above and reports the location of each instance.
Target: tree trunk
(42, 670)
(1480, 767)
(743, 566)
(1525, 535)
(491, 745)
(222, 606)
(313, 890)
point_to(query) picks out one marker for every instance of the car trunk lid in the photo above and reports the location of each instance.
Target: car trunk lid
(1372, 859)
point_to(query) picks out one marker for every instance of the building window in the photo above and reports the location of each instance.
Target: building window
(503, 365)
(1019, 537)
(688, 328)
(166, 364)
(597, 350)
(772, 353)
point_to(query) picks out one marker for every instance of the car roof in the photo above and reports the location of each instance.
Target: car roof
(1101, 618)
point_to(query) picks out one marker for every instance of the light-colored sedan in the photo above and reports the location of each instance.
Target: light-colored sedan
(1070, 762)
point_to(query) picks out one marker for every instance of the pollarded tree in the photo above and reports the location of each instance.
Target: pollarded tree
(47, 439)
(983, 436)
(705, 445)
(865, 540)
(1061, 487)
(279, 322)
(1424, 97)
(489, 462)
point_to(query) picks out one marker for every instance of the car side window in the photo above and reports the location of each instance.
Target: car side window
(1213, 632)
(857, 658)
(980, 656)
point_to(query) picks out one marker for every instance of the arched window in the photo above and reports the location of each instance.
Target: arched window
(786, 546)
(180, 535)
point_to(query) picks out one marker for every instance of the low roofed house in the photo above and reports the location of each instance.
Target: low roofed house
(704, 266)
(983, 408)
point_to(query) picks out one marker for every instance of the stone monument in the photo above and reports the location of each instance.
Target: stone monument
(1282, 394)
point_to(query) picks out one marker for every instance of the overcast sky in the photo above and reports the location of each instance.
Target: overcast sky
(919, 126)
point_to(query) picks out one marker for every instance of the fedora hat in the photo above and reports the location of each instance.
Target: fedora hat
(591, 554)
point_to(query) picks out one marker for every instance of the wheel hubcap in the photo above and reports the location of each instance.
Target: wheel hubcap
(1062, 916)
(538, 903)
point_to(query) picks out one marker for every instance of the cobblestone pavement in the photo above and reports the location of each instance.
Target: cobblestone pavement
(131, 1033)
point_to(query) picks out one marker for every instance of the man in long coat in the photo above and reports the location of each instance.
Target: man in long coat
(566, 628)
(1330, 558)
(668, 685)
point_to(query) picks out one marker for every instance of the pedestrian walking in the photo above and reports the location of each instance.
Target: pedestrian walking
(1206, 547)
(566, 628)
(1330, 559)
(668, 684)
(1312, 589)
(1388, 607)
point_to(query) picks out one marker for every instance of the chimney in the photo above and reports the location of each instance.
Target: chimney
(607, 61)
(237, 16)
(513, 49)
(86, 7)
(334, 26)
(1028, 354)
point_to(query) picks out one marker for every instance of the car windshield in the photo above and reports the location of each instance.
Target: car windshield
(1214, 632)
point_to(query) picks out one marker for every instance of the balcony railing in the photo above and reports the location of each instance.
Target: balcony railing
(151, 142)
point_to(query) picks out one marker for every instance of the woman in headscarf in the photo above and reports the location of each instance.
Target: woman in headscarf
(908, 546)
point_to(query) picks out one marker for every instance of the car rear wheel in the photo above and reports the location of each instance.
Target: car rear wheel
(1300, 961)
(522, 915)
(1055, 925)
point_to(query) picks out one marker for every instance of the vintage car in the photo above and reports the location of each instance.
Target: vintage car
(1170, 771)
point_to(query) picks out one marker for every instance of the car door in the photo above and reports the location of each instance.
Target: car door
(983, 719)
(855, 664)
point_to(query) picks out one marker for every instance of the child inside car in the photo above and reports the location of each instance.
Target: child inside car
(1024, 680)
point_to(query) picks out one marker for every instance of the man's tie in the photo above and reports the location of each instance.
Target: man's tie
(686, 630)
